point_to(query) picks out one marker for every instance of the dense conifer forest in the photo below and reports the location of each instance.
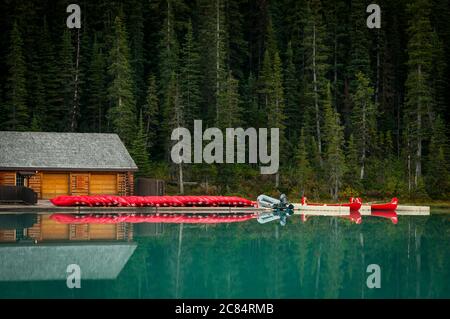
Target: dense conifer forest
(361, 111)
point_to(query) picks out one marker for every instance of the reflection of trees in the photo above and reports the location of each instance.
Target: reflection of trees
(249, 260)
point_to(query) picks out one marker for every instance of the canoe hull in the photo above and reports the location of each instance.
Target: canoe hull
(386, 206)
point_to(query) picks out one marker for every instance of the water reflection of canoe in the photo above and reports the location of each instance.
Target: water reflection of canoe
(151, 218)
(354, 217)
(392, 215)
(354, 203)
(392, 205)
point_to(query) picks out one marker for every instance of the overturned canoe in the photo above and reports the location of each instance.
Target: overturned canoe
(152, 201)
(354, 203)
(392, 205)
(150, 218)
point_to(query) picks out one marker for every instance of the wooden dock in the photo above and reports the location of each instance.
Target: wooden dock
(45, 206)
(321, 210)
(401, 210)
(413, 210)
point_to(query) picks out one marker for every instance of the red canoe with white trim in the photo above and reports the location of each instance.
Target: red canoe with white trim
(386, 206)
(354, 203)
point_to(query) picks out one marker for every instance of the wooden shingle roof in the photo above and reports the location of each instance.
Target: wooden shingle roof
(63, 151)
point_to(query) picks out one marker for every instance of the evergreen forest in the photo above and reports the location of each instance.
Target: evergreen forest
(360, 111)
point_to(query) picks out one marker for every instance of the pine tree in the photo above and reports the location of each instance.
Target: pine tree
(352, 161)
(440, 81)
(251, 116)
(139, 150)
(174, 110)
(220, 41)
(270, 40)
(303, 167)
(169, 49)
(35, 87)
(359, 52)
(96, 106)
(190, 77)
(169, 78)
(15, 105)
(173, 118)
(66, 79)
(237, 46)
(336, 15)
(213, 44)
(292, 100)
(316, 56)
(51, 117)
(334, 140)
(437, 179)
(151, 112)
(135, 27)
(275, 113)
(364, 120)
(79, 64)
(230, 114)
(265, 85)
(419, 101)
(122, 113)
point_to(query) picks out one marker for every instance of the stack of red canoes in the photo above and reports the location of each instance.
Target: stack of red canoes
(150, 218)
(153, 201)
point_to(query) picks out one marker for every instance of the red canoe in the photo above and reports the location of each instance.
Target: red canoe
(152, 201)
(150, 218)
(354, 203)
(386, 206)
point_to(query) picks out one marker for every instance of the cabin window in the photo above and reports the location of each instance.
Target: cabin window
(20, 180)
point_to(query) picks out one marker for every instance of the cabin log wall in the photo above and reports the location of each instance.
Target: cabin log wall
(79, 232)
(35, 183)
(46, 229)
(79, 183)
(34, 232)
(7, 235)
(8, 178)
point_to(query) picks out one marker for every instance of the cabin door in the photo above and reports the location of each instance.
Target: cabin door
(55, 184)
(103, 184)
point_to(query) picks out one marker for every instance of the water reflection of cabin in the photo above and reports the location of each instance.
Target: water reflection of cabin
(34, 247)
(41, 228)
(55, 164)
(50, 261)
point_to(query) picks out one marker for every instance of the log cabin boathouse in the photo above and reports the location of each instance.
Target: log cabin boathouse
(55, 164)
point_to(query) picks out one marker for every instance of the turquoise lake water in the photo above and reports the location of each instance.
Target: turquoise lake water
(324, 257)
